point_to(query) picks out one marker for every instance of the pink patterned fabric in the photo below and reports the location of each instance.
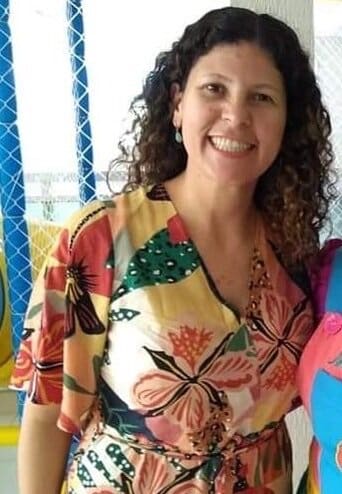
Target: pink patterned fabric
(321, 274)
(320, 383)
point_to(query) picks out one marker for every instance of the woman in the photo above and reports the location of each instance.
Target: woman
(184, 303)
(320, 377)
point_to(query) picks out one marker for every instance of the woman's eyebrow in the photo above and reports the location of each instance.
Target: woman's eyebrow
(259, 85)
(267, 86)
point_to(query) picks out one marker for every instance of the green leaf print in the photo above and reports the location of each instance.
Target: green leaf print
(123, 315)
(159, 262)
(84, 476)
(240, 341)
(71, 383)
(210, 469)
(118, 415)
(120, 460)
(97, 363)
(34, 310)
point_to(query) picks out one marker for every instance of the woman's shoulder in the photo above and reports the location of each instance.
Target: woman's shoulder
(89, 211)
(114, 213)
(106, 211)
(86, 225)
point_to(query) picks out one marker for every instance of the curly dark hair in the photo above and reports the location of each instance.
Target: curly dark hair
(294, 194)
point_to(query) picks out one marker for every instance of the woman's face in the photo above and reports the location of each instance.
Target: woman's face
(232, 114)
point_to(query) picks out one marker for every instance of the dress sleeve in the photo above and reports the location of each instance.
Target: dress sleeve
(66, 323)
(321, 273)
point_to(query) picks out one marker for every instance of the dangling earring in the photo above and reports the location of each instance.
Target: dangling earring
(178, 136)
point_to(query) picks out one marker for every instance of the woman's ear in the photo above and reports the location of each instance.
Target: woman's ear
(176, 104)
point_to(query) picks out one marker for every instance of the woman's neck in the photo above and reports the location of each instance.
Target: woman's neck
(210, 207)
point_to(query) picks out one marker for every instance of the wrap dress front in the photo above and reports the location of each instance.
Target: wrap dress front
(171, 390)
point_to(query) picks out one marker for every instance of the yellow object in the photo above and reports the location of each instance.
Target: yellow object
(311, 486)
(6, 360)
(9, 435)
(41, 237)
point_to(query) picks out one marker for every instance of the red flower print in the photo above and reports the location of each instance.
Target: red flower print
(55, 276)
(77, 254)
(152, 475)
(176, 229)
(66, 424)
(185, 397)
(40, 359)
(163, 429)
(190, 344)
(23, 369)
(49, 345)
(191, 410)
(89, 272)
(47, 350)
(81, 267)
(155, 475)
(281, 375)
(280, 339)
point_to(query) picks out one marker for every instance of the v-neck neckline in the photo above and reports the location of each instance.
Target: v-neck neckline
(211, 285)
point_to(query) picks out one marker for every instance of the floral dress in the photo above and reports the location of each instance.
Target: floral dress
(320, 377)
(170, 389)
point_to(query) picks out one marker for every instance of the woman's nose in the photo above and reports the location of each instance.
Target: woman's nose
(236, 112)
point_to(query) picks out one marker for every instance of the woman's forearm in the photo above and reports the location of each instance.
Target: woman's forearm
(42, 451)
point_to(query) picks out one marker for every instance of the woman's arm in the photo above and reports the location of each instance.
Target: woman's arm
(43, 450)
(72, 345)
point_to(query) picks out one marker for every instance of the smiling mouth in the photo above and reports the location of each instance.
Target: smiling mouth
(232, 146)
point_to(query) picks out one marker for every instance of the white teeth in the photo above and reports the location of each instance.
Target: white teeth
(224, 144)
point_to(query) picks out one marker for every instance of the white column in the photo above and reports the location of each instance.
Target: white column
(297, 13)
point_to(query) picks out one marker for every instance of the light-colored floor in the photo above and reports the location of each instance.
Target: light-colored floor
(8, 482)
(8, 407)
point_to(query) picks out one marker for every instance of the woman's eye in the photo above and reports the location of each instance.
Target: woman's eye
(262, 97)
(214, 88)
